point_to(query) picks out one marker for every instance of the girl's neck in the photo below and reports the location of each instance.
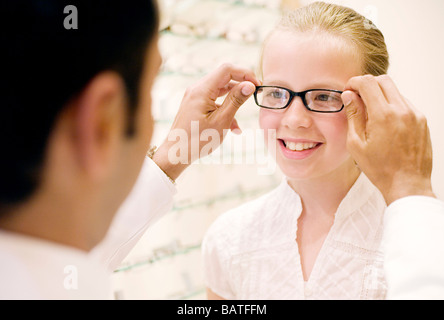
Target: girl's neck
(323, 194)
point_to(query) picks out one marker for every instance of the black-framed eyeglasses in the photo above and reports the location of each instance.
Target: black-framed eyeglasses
(316, 100)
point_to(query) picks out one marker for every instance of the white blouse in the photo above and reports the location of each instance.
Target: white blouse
(250, 252)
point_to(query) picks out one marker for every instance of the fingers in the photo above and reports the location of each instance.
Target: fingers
(235, 127)
(380, 95)
(221, 77)
(227, 88)
(236, 97)
(356, 116)
(367, 87)
(389, 89)
(392, 145)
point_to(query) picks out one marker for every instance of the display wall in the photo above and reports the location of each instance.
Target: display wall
(195, 38)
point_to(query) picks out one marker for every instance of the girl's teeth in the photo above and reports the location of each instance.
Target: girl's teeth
(299, 146)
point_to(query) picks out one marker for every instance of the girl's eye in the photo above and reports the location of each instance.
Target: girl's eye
(324, 101)
(276, 94)
(324, 97)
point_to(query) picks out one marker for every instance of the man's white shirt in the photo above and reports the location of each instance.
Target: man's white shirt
(413, 244)
(32, 268)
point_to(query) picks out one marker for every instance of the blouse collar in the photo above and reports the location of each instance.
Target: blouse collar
(356, 197)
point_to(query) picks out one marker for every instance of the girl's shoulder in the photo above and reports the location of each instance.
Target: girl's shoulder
(257, 210)
(259, 219)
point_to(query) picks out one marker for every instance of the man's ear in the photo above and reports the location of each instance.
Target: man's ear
(100, 122)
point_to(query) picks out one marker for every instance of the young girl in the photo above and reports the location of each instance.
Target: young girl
(317, 235)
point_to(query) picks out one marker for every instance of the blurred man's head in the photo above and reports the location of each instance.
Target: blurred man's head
(75, 112)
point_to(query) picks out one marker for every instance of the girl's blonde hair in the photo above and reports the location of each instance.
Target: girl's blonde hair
(344, 23)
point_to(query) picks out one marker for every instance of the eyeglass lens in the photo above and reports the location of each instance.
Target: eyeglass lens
(316, 100)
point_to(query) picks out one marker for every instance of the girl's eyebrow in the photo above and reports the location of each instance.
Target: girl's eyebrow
(278, 83)
(313, 85)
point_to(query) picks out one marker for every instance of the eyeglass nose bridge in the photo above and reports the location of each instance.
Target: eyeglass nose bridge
(294, 94)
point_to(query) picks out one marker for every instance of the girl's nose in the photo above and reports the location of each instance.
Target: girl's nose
(296, 115)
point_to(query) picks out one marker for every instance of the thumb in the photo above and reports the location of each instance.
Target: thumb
(236, 97)
(235, 127)
(356, 115)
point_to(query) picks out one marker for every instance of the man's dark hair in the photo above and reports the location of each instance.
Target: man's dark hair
(44, 65)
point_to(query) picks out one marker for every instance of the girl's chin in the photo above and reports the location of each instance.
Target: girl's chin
(301, 174)
(300, 171)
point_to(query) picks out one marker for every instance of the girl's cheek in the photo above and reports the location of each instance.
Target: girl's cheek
(342, 125)
(337, 131)
(268, 119)
(262, 119)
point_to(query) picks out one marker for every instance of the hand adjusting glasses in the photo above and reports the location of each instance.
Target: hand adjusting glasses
(316, 100)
